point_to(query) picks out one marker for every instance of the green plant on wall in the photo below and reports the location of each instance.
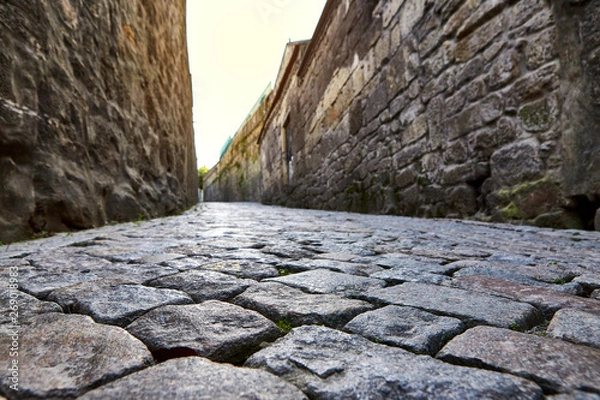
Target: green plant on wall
(201, 173)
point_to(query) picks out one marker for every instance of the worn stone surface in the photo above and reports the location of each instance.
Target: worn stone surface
(204, 285)
(547, 300)
(117, 302)
(554, 364)
(242, 269)
(415, 330)
(329, 282)
(88, 134)
(88, 266)
(214, 329)
(576, 326)
(64, 355)
(336, 266)
(468, 306)
(197, 378)
(273, 301)
(306, 358)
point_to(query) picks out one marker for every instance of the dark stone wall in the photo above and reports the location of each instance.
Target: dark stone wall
(445, 108)
(95, 114)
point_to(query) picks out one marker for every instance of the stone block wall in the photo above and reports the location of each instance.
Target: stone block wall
(236, 177)
(446, 108)
(95, 114)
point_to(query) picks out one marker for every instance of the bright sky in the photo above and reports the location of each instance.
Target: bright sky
(235, 49)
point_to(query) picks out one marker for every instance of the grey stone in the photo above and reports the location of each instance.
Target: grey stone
(27, 307)
(115, 302)
(56, 270)
(557, 366)
(353, 268)
(396, 275)
(550, 276)
(279, 302)
(415, 330)
(197, 378)
(204, 285)
(589, 281)
(242, 269)
(410, 264)
(326, 281)
(62, 356)
(575, 395)
(516, 163)
(547, 300)
(328, 364)
(216, 330)
(468, 306)
(576, 326)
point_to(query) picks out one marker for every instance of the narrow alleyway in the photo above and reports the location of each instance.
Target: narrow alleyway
(248, 301)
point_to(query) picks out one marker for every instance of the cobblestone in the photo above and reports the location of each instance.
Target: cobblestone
(305, 304)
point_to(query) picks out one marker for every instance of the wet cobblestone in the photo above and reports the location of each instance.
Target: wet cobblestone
(279, 303)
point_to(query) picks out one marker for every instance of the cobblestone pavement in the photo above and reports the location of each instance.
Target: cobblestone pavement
(235, 301)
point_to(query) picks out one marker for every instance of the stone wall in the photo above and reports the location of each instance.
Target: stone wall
(236, 177)
(95, 114)
(445, 108)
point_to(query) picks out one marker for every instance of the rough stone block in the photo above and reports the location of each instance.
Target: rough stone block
(468, 306)
(117, 302)
(547, 300)
(576, 326)
(204, 285)
(325, 281)
(216, 330)
(273, 301)
(415, 330)
(198, 378)
(516, 163)
(70, 354)
(557, 366)
(478, 39)
(325, 363)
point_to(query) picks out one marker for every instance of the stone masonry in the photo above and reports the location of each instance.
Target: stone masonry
(235, 301)
(236, 177)
(95, 114)
(447, 108)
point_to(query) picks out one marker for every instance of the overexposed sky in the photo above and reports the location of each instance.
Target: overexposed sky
(235, 49)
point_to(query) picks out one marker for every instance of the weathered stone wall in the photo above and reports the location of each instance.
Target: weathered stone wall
(236, 177)
(95, 114)
(446, 108)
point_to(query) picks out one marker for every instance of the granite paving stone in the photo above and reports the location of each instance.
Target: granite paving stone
(353, 268)
(197, 378)
(327, 281)
(395, 276)
(547, 300)
(576, 326)
(204, 285)
(279, 302)
(471, 307)
(418, 331)
(242, 269)
(358, 311)
(589, 281)
(556, 365)
(115, 302)
(329, 364)
(215, 330)
(62, 356)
